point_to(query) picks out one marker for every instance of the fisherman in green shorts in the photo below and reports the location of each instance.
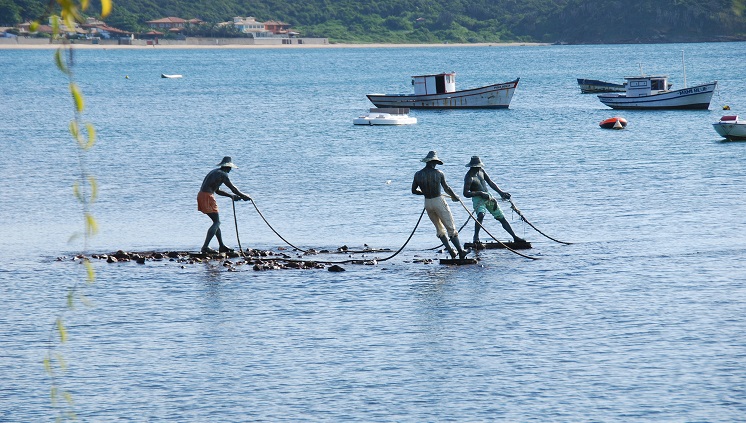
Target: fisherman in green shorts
(476, 184)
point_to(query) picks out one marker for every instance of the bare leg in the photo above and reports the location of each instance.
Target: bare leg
(214, 230)
(461, 253)
(444, 240)
(507, 227)
(477, 227)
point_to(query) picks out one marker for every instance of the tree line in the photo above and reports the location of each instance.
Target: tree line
(455, 21)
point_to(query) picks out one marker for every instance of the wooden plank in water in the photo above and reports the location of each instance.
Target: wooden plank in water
(459, 262)
(493, 245)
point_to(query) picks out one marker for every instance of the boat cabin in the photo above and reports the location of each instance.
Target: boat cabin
(434, 84)
(645, 85)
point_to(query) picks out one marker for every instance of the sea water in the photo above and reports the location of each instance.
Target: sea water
(640, 319)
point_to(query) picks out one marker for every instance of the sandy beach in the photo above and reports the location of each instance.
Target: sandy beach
(44, 44)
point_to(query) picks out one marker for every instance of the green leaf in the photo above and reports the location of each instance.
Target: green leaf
(76, 191)
(83, 299)
(105, 8)
(68, 397)
(48, 366)
(61, 329)
(74, 128)
(77, 96)
(70, 299)
(53, 395)
(91, 227)
(55, 25)
(94, 188)
(91, 273)
(91, 136)
(59, 62)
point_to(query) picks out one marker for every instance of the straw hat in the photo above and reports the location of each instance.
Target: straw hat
(475, 162)
(432, 156)
(227, 162)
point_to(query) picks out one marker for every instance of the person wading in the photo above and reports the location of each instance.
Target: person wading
(476, 184)
(428, 182)
(206, 201)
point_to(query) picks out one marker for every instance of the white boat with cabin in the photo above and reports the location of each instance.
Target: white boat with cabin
(731, 128)
(647, 92)
(438, 91)
(386, 116)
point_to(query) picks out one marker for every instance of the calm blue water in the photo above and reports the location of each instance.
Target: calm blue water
(641, 319)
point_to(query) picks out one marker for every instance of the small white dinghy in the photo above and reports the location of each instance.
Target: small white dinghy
(386, 116)
(163, 75)
(731, 128)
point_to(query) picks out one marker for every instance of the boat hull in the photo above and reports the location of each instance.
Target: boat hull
(731, 131)
(613, 123)
(497, 96)
(593, 86)
(693, 98)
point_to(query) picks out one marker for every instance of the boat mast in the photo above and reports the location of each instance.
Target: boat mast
(683, 67)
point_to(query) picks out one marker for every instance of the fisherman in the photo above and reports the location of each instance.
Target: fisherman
(428, 182)
(206, 201)
(475, 187)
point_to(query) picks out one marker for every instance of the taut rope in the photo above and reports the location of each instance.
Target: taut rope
(493, 237)
(273, 229)
(515, 209)
(323, 261)
(235, 221)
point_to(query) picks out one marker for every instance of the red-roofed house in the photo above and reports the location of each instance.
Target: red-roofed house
(167, 23)
(277, 27)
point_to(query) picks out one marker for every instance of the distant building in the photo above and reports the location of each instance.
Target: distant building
(97, 28)
(249, 25)
(277, 27)
(173, 24)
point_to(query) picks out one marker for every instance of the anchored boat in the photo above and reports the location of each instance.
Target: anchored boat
(438, 91)
(615, 122)
(590, 86)
(648, 92)
(731, 128)
(386, 116)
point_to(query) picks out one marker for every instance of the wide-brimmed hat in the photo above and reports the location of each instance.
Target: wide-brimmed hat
(432, 157)
(475, 162)
(227, 162)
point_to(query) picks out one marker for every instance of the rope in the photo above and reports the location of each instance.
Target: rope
(273, 229)
(493, 237)
(407, 241)
(235, 221)
(459, 231)
(512, 205)
(325, 261)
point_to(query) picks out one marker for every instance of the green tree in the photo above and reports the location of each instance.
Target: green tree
(10, 14)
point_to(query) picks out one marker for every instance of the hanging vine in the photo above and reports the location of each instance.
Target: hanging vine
(85, 191)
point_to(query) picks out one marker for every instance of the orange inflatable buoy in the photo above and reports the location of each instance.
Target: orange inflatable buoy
(614, 123)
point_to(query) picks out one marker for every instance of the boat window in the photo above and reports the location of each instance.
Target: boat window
(657, 84)
(638, 84)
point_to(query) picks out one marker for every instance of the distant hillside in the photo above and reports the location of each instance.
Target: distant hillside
(400, 21)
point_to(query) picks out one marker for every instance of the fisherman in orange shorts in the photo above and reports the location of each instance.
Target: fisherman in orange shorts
(206, 201)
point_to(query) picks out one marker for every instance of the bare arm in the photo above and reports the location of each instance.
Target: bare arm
(235, 190)
(447, 188)
(494, 186)
(416, 187)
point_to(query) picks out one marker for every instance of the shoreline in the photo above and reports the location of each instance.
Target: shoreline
(87, 46)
